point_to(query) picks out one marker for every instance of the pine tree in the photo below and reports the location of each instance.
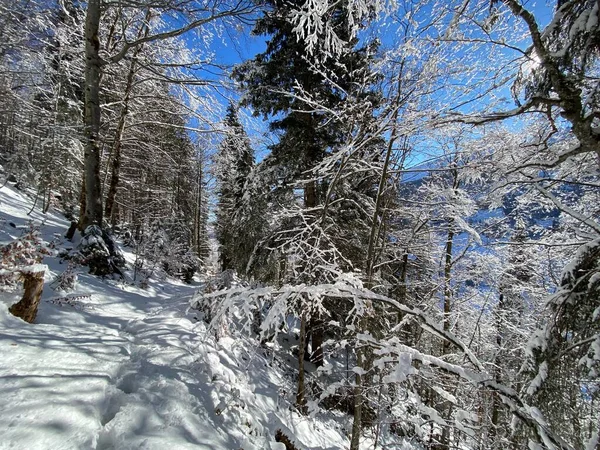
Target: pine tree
(275, 82)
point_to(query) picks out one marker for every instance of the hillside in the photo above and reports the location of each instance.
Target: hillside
(113, 366)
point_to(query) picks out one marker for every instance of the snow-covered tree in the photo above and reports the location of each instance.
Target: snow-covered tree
(232, 165)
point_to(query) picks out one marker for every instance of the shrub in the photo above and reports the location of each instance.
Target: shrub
(27, 250)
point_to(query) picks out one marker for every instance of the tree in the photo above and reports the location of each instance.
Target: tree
(232, 166)
(193, 15)
(41, 89)
(92, 215)
(563, 54)
(303, 88)
(116, 149)
(553, 82)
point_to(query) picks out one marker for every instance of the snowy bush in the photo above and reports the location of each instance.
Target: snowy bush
(26, 250)
(210, 306)
(190, 263)
(98, 250)
(67, 280)
(164, 247)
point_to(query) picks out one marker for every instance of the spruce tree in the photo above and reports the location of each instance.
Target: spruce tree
(301, 90)
(233, 164)
(275, 82)
(298, 90)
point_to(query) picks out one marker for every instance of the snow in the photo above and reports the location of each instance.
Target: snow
(32, 269)
(121, 373)
(359, 371)
(402, 369)
(114, 366)
(540, 377)
(593, 442)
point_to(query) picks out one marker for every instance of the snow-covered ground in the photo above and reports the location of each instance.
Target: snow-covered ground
(113, 366)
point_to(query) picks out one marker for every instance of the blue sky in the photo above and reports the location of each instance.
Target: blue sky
(234, 46)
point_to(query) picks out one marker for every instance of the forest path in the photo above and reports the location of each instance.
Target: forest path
(106, 369)
(106, 366)
(113, 366)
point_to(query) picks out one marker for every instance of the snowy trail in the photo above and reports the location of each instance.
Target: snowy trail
(156, 399)
(130, 369)
(120, 367)
(113, 373)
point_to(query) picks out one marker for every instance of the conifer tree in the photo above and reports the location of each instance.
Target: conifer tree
(302, 90)
(275, 82)
(233, 164)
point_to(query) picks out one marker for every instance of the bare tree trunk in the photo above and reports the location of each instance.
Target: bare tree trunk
(446, 407)
(109, 209)
(311, 200)
(447, 287)
(197, 199)
(35, 200)
(448, 262)
(48, 200)
(93, 197)
(27, 307)
(71, 231)
(369, 265)
(379, 418)
(496, 402)
(81, 202)
(316, 356)
(300, 395)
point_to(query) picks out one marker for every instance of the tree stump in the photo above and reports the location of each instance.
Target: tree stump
(281, 437)
(33, 282)
(71, 231)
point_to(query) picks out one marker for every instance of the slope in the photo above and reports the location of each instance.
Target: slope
(113, 366)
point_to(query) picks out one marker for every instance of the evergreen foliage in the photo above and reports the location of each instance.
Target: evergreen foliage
(232, 166)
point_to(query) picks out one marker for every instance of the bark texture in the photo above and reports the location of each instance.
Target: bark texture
(93, 69)
(301, 394)
(27, 307)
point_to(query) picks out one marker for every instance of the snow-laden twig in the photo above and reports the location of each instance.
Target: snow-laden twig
(285, 300)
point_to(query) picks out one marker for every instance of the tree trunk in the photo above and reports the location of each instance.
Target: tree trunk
(447, 288)
(496, 401)
(310, 194)
(311, 200)
(71, 231)
(93, 198)
(300, 395)
(109, 209)
(446, 407)
(27, 307)
(358, 402)
(316, 356)
(81, 202)
(369, 265)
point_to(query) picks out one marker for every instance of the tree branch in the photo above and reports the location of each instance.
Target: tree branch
(240, 8)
